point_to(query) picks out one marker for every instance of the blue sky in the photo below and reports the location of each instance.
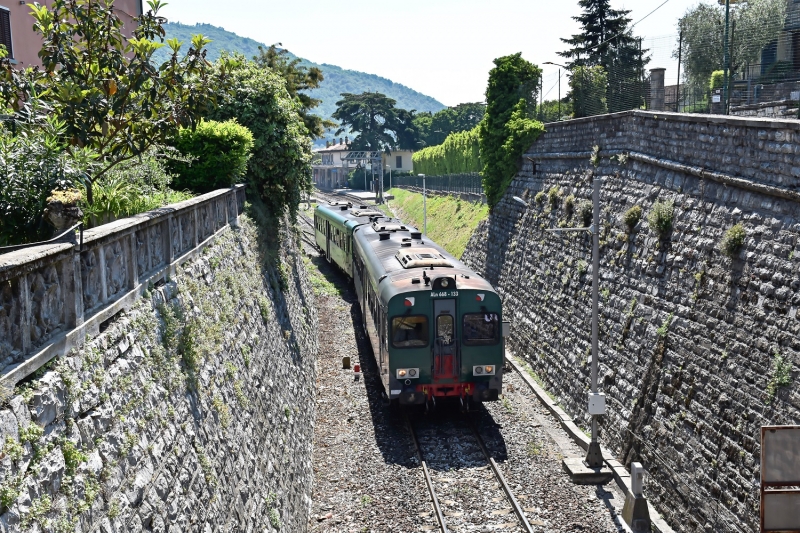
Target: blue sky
(442, 48)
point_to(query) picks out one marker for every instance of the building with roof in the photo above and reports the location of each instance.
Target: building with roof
(23, 43)
(335, 162)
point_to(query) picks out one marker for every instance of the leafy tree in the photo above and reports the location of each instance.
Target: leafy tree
(372, 115)
(105, 88)
(754, 25)
(299, 79)
(406, 131)
(605, 41)
(434, 128)
(507, 129)
(551, 111)
(280, 169)
(588, 89)
(219, 150)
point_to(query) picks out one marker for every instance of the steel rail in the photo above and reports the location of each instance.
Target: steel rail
(428, 481)
(499, 475)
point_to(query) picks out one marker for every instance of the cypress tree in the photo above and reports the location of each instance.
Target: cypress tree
(606, 41)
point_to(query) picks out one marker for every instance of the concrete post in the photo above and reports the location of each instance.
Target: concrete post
(635, 511)
(657, 95)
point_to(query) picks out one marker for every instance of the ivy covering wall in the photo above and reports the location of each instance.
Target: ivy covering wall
(458, 154)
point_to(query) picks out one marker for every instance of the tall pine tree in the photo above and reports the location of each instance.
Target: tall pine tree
(606, 41)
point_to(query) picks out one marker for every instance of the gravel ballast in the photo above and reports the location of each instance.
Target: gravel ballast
(367, 477)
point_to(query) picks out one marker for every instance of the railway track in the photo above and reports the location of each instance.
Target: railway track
(461, 477)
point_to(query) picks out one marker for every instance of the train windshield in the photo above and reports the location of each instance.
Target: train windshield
(410, 331)
(481, 329)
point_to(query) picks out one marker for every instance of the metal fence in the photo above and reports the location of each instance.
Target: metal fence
(450, 183)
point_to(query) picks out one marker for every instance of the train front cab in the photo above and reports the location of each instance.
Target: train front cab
(445, 342)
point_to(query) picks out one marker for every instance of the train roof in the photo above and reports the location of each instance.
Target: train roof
(398, 255)
(401, 259)
(348, 215)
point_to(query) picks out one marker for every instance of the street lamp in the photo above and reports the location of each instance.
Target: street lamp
(559, 83)
(390, 176)
(424, 206)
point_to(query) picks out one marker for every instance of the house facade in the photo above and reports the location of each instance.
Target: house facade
(331, 172)
(332, 168)
(23, 44)
(398, 160)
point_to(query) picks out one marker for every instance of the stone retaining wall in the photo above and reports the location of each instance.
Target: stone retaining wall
(192, 410)
(688, 336)
(782, 109)
(53, 295)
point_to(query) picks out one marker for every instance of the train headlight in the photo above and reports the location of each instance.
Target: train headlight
(484, 370)
(445, 283)
(403, 373)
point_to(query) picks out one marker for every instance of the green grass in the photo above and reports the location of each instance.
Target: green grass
(451, 220)
(319, 282)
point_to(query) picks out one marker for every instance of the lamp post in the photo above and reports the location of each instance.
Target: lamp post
(559, 83)
(596, 402)
(726, 59)
(424, 206)
(390, 176)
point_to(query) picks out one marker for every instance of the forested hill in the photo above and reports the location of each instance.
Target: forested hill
(337, 80)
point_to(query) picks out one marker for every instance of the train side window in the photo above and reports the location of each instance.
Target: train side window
(481, 329)
(410, 331)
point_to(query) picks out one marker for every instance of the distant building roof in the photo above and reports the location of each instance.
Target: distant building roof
(339, 147)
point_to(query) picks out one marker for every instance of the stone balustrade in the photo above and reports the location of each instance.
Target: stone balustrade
(53, 295)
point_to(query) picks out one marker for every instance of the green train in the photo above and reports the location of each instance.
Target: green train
(436, 327)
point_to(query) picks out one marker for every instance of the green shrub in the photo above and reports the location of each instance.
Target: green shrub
(585, 212)
(135, 186)
(733, 240)
(73, 457)
(458, 154)
(220, 151)
(661, 217)
(33, 163)
(717, 80)
(554, 196)
(569, 204)
(780, 375)
(539, 198)
(632, 217)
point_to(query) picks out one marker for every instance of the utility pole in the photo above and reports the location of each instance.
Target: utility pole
(424, 206)
(559, 94)
(594, 457)
(678, 85)
(591, 469)
(726, 58)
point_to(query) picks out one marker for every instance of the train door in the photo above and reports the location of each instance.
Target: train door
(328, 240)
(445, 352)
